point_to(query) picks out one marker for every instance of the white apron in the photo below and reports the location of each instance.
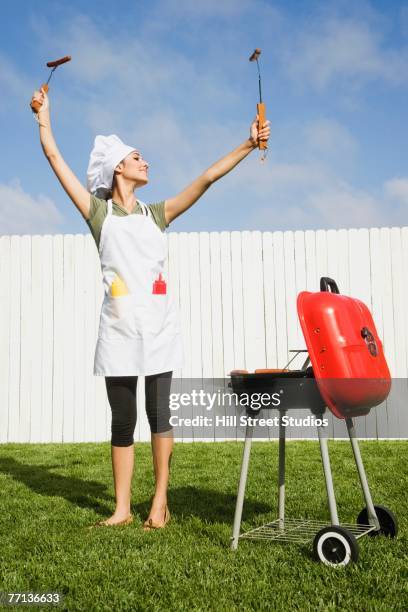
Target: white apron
(139, 328)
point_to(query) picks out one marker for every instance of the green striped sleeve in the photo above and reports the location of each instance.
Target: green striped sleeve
(157, 211)
(96, 217)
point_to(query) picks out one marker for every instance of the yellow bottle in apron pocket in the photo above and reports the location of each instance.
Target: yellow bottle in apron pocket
(118, 289)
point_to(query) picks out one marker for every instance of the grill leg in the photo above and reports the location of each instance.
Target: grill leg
(328, 476)
(241, 489)
(281, 474)
(372, 515)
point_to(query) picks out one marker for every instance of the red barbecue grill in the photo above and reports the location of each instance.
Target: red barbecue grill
(346, 371)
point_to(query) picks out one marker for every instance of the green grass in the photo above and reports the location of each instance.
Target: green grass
(51, 493)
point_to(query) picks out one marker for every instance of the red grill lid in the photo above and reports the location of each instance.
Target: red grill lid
(345, 350)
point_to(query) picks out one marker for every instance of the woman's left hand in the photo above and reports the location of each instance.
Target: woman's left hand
(255, 134)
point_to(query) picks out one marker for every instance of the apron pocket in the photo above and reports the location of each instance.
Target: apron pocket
(172, 323)
(156, 314)
(119, 318)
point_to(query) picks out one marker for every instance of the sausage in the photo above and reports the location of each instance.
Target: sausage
(58, 62)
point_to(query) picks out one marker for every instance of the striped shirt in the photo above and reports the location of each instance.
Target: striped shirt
(99, 210)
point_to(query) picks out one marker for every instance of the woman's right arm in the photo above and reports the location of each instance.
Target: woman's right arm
(73, 187)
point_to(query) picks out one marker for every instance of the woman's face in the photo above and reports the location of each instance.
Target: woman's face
(134, 168)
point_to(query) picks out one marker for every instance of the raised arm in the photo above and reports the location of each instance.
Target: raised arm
(73, 187)
(173, 207)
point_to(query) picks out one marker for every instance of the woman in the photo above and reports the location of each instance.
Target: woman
(139, 331)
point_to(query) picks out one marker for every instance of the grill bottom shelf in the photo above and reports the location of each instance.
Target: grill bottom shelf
(298, 530)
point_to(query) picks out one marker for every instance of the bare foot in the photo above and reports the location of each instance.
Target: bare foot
(157, 513)
(116, 518)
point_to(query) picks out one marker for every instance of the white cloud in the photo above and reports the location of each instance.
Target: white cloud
(13, 84)
(204, 8)
(128, 70)
(403, 21)
(311, 196)
(329, 137)
(152, 95)
(323, 207)
(396, 189)
(21, 213)
(342, 205)
(338, 48)
(141, 88)
(180, 108)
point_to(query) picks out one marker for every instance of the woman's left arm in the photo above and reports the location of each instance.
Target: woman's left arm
(173, 207)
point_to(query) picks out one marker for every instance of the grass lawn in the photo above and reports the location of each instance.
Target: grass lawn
(51, 493)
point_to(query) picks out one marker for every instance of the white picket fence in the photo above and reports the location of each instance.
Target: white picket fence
(237, 294)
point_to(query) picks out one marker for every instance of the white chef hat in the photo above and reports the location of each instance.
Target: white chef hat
(107, 153)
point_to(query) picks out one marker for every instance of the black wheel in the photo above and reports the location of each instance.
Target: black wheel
(386, 518)
(335, 546)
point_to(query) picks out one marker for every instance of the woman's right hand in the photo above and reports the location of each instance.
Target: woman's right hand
(40, 97)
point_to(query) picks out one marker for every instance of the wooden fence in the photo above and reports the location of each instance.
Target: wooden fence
(237, 294)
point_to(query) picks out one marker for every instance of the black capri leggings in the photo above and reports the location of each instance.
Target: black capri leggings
(121, 392)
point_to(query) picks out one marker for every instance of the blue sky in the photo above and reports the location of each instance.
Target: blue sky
(173, 79)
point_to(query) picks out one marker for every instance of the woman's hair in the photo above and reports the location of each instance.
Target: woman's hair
(103, 193)
(113, 183)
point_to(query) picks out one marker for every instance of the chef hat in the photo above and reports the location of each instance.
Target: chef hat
(107, 153)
